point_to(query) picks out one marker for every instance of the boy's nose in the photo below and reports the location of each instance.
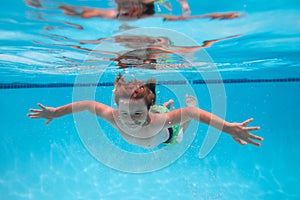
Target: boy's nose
(129, 118)
(133, 118)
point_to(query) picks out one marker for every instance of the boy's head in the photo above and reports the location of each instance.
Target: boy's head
(135, 8)
(135, 90)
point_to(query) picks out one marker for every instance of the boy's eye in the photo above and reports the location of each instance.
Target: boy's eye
(125, 114)
(138, 114)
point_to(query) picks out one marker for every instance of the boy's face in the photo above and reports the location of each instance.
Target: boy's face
(133, 113)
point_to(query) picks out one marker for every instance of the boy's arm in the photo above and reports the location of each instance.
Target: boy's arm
(238, 131)
(50, 113)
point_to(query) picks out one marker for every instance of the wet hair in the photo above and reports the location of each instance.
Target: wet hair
(134, 90)
(149, 9)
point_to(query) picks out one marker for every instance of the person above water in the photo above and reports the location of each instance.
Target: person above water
(126, 9)
(142, 122)
(133, 9)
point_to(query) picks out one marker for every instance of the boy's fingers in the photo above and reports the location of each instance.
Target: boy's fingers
(34, 110)
(42, 106)
(48, 121)
(255, 137)
(34, 116)
(254, 128)
(239, 141)
(252, 142)
(245, 123)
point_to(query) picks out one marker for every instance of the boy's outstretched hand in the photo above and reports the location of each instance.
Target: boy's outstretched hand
(46, 112)
(240, 133)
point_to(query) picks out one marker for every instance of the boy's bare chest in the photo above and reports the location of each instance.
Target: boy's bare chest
(143, 137)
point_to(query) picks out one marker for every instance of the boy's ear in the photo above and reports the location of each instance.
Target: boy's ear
(151, 84)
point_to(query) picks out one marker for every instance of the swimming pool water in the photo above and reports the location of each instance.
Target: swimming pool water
(46, 162)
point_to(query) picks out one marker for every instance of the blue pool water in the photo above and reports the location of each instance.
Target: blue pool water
(255, 74)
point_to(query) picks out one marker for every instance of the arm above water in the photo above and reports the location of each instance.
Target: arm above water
(238, 131)
(213, 16)
(88, 12)
(50, 113)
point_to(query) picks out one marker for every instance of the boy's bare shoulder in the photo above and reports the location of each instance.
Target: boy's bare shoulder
(157, 118)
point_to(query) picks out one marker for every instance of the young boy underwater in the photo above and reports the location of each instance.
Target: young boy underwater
(143, 123)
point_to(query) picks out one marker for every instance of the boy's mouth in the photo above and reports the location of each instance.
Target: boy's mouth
(134, 124)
